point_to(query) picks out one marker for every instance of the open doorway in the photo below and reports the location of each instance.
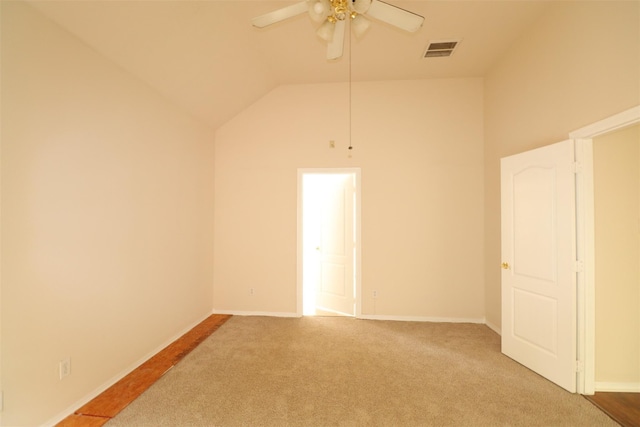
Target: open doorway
(328, 242)
(616, 177)
(586, 249)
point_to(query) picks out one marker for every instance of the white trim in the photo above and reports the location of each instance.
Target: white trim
(70, 410)
(422, 319)
(586, 241)
(494, 328)
(585, 246)
(618, 387)
(358, 208)
(299, 245)
(363, 317)
(257, 313)
(617, 121)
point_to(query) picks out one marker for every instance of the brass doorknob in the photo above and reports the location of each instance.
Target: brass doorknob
(505, 265)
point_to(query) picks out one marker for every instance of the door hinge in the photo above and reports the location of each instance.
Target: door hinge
(579, 266)
(577, 167)
(579, 366)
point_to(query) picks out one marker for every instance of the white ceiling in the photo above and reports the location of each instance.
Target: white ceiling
(207, 58)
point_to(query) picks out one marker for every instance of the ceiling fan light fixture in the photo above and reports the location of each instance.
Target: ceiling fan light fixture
(340, 10)
(326, 30)
(361, 6)
(359, 25)
(334, 14)
(319, 9)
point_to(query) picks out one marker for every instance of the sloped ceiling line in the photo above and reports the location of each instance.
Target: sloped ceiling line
(207, 58)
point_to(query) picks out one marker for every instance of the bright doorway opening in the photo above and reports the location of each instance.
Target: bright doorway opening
(328, 242)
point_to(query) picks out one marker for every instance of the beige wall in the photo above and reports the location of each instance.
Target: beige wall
(419, 147)
(579, 64)
(107, 194)
(107, 201)
(616, 170)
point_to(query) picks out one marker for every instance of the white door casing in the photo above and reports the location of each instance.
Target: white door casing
(539, 261)
(586, 241)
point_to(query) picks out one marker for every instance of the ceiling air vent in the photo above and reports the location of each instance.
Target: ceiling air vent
(440, 48)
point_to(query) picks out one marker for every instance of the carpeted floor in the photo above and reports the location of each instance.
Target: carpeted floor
(334, 371)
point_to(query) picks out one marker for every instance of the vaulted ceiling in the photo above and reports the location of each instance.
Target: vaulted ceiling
(207, 58)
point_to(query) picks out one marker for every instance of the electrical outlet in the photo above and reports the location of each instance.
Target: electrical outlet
(375, 294)
(252, 291)
(64, 368)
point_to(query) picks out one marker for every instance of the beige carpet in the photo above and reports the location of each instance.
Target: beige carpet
(334, 371)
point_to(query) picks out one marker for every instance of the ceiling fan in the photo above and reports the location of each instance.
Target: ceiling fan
(334, 13)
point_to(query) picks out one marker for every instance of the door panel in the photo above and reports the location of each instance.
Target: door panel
(333, 278)
(533, 225)
(543, 333)
(538, 253)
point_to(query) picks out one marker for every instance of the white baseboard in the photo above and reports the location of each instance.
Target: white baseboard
(618, 387)
(420, 319)
(494, 328)
(256, 313)
(100, 389)
(363, 316)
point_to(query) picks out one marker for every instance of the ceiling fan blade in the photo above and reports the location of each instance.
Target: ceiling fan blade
(280, 14)
(336, 45)
(395, 16)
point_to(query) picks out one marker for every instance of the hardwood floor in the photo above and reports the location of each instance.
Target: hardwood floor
(624, 408)
(113, 400)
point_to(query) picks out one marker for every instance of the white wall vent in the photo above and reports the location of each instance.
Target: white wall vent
(440, 48)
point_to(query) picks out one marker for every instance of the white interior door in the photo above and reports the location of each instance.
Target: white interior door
(539, 262)
(328, 254)
(329, 230)
(335, 290)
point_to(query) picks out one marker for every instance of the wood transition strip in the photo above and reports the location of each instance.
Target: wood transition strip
(623, 408)
(76, 420)
(114, 399)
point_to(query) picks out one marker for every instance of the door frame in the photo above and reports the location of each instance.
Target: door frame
(358, 227)
(585, 236)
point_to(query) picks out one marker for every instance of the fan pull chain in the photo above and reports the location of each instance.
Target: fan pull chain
(350, 124)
